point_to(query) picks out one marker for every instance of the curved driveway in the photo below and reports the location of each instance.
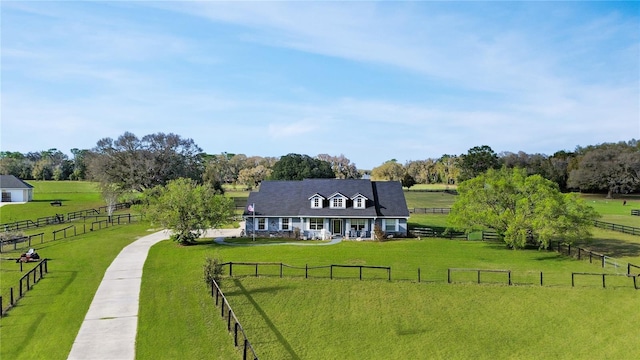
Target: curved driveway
(111, 323)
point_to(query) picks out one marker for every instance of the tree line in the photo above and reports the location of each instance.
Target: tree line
(134, 163)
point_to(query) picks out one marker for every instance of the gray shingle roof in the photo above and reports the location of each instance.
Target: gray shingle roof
(12, 182)
(291, 198)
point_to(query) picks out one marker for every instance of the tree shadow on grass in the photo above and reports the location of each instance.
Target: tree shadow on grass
(264, 315)
(613, 248)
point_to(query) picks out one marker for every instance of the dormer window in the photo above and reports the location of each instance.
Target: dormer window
(338, 201)
(359, 201)
(316, 201)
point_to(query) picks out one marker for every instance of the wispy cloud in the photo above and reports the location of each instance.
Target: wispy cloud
(400, 80)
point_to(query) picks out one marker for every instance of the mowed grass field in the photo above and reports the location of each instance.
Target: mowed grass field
(344, 318)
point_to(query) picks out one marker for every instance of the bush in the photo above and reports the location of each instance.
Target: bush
(213, 270)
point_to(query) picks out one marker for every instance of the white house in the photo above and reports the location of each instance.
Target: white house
(15, 190)
(327, 207)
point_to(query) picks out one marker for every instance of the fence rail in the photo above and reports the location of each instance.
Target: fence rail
(583, 254)
(616, 227)
(635, 212)
(429, 210)
(60, 218)
(25, 284)
(509, 273)
(231, 317)
(306, 268)
(438, 232)
(479, 271)
(604, 278)
(71, 230)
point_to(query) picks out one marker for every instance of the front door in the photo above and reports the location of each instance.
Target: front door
(337, 227)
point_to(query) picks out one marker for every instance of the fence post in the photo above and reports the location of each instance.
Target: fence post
(360, 272)
(230, 268)
(449, 276)
(331, 272)
(509, 277)
(11, 296)
(256, 269)
(572, 281)
(569, 250)
(244, 353)
(28, 283)
(541, 278)
(478, 276)
(590, 255)
(46, 266)
(229, 319)
(604, 285)
(602, 256)
(628, 268)
(280, 272)
(418, 275)
(389, 270)
(20, 266)
(306, 271)
(235, 334)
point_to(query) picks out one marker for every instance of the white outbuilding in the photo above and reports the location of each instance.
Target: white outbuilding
(15, 190)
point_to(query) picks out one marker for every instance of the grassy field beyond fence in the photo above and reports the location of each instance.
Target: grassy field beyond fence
(343, 318)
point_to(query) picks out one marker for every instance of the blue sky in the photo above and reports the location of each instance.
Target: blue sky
(370, 80)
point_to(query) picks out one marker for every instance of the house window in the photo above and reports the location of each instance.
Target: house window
(337, 203)
(390, 225)
(316, 224)
(262, 224)
(286, 224)
(315, 203)
(359, 203)
(358, 224)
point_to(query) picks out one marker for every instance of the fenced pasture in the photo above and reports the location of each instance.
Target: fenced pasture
(75, 196)
(317, 317)
(46, 320)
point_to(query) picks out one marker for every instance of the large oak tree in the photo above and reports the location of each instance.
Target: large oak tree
(521, 209)
(137, 164)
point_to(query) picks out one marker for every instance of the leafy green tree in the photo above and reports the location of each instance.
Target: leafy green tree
(408, 181)
(186, 208)
(342, 167)
(614, 168)
(299, 167)
(391, 170)
(448, 168)
(521, 209)
(476, 161)
(138, 164)
(42, 170)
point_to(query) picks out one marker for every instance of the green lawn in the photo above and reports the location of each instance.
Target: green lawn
(75, 196)
(342, 318)
(46, 321)
(318, 318)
